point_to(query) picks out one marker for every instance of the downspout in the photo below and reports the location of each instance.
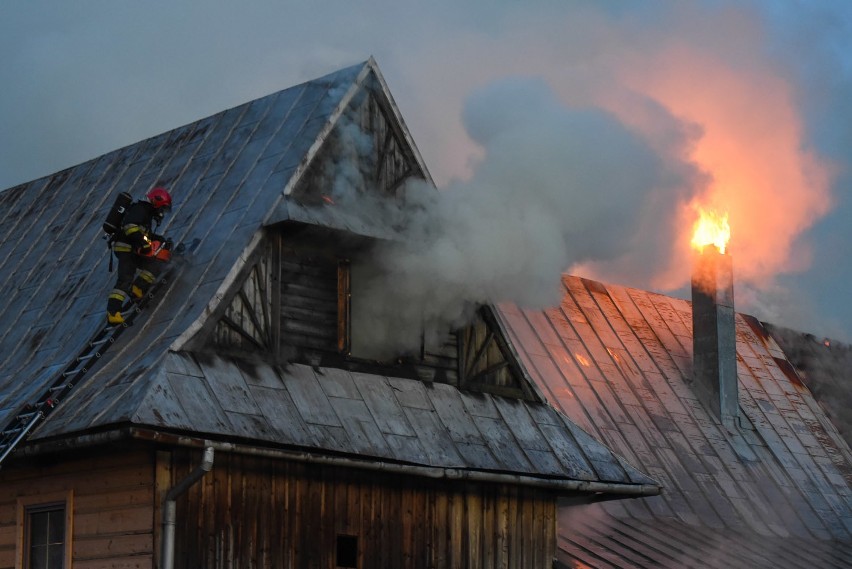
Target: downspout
(167, 551)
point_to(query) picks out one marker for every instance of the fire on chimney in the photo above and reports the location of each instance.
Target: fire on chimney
(714, 360)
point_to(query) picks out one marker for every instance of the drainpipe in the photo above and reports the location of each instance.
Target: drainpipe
(167, 557)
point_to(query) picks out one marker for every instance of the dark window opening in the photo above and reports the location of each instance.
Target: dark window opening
(45, 533)
(347, 551)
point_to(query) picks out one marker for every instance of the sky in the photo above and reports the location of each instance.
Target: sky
(588, 132)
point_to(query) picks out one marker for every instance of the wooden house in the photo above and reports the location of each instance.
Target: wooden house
(231, 425)
(235, 425)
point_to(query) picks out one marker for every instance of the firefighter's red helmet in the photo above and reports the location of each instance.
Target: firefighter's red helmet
(159, 197)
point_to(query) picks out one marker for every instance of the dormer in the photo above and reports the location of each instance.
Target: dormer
(291, 300)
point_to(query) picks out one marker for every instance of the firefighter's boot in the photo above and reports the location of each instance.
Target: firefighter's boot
(144, 280)
(114, 303)
(115, 318)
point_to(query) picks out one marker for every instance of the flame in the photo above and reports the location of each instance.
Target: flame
(711, 228)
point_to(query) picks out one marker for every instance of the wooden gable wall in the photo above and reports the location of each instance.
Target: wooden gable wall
(364, 155)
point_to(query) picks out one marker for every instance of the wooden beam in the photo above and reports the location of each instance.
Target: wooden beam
(261, 329)
(399, 181)
(239, 330)
(480, 352)
(386, 144)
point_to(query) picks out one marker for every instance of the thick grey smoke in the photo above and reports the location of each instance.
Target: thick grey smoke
(555, 186)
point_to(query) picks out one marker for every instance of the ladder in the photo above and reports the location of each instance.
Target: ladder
(26, 420)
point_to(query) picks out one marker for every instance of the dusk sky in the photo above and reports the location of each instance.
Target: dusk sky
(743, 106)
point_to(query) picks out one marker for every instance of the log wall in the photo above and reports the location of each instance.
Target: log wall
(253, 512)
(112, 503)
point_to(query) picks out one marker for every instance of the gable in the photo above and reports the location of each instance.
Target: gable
(364, 158)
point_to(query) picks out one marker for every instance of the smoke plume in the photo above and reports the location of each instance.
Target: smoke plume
(554, 185)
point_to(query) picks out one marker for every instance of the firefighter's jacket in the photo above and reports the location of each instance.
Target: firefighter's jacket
(135, 233)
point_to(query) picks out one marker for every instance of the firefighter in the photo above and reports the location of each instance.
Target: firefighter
(137, 266)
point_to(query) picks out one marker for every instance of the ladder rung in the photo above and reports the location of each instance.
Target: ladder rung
(74, 371)
(88, 357)
(60, 387)
(26, 416)
(12, 431)
(101, 342)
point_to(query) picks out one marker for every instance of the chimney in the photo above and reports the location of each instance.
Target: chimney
(714, 340)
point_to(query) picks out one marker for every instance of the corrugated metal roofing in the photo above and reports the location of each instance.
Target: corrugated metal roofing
(229, 175)
(617, 361)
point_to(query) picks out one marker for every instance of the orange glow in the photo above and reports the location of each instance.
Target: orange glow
(711, 228)
(751, 149)
(583, 360)
(746, 141)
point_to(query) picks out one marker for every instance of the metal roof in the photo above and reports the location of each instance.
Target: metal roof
(592, 537)
(230, 175)
(617, 361)
(342, 412)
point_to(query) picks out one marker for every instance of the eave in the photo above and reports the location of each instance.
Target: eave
(584, 490)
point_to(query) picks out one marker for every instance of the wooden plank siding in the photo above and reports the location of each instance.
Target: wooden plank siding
(258, 512)
(112, 507)
(310, 301)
